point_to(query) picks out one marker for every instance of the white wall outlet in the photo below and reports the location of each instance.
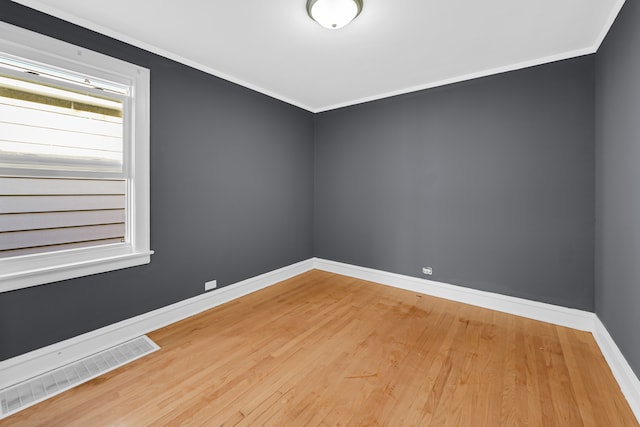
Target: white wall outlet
(427, 270)
(210, 285)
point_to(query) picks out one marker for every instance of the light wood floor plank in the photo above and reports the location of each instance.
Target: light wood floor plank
(327, 350)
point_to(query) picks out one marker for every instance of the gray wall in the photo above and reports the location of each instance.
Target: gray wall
(231, 198)
(617, 278)
(490, 182)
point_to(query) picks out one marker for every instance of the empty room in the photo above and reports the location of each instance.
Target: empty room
(320, 213)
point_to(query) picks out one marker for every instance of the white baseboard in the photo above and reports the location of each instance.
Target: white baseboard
(45, 359)
(562, 316)
(569, 317)
(627, 379)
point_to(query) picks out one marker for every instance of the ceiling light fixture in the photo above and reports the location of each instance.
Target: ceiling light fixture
(334, 14)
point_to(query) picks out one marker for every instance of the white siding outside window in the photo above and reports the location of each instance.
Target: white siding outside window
(49, 214)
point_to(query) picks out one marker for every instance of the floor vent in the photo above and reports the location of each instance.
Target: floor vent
(27, 393)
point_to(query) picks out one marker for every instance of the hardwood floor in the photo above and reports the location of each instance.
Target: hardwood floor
(323, 349)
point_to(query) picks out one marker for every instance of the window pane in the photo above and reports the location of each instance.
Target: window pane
(45, 214)
(43, 127)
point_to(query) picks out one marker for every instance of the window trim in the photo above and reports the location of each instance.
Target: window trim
(37, 269)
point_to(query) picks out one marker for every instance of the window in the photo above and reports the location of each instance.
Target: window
(74, 161)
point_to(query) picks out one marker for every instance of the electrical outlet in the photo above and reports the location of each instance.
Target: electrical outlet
(210, 285)
(427, 270)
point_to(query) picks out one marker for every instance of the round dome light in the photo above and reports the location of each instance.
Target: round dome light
(334, 14)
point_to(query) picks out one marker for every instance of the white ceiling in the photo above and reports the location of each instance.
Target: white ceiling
(393, 47)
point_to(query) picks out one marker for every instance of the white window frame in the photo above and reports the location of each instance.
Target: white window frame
(31, 270)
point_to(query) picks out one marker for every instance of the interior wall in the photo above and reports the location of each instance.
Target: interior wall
(231, 197)
(490, 182)
(617, 276)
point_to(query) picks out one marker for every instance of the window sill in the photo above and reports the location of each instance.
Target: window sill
(39, 276)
